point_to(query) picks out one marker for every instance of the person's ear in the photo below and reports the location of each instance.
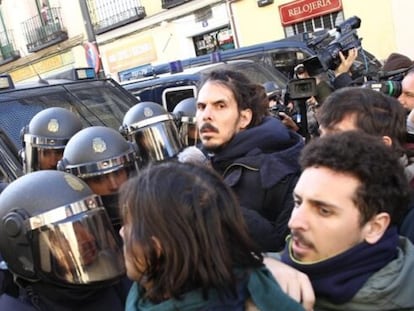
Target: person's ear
(375, 228)
(157, 245)
(246, 116)
(387, 140)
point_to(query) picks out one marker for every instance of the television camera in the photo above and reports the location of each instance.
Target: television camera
(328, 43)
(388, 82)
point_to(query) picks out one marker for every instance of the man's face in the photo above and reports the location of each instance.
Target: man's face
(48, 158)
(218, 117)
(407, 96)
(346, 124)
(325, 221)
(108, 183)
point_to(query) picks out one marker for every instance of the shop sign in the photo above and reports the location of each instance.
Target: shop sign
(126, 54)
(297, 11)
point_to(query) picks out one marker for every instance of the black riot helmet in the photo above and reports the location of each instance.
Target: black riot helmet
(48, 131)
(185, 113)
(104, 159)
(97, 150)
(54, 229)
(153, 129)
(273, 91)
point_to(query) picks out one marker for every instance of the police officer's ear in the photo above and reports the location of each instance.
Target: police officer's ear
(245, 118)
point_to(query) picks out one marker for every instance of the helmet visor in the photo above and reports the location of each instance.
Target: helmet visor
(158, 142)
(80, 249)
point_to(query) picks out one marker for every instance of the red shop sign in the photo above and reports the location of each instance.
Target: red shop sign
(297, 11)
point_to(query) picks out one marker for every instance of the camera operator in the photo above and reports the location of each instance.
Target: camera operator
(277, 108)
(407, 101)
(322, 90)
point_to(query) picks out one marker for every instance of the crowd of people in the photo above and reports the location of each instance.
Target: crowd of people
(218, 205)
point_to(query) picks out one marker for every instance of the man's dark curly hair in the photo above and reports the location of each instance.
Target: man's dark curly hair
(384, 187)
(375, 113)
(247, 94)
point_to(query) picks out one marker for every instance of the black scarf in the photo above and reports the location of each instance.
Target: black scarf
(339, 278)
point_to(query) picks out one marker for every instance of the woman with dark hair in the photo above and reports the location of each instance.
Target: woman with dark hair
(186, 245)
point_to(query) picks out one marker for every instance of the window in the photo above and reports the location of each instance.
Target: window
(327, 21)
(168, 4)
(216, 40)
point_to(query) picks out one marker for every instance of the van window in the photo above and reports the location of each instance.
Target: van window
(285, 60)
(172, 96)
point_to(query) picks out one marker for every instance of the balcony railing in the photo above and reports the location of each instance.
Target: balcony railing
(168, 4)
(44, 30)
(109, 15)
(8, 51)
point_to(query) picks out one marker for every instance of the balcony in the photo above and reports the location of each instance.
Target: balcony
(44, 30)
(8, 53)
(109, 15)
(168, 4)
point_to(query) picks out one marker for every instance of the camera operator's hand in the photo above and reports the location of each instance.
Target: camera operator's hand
(288, 121)
(346, 62)
(311, 101)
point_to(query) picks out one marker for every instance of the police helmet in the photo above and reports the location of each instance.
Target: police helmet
(152, 128)
(185, 112)
(273, 91)
(50, 128)
(97, 150)
(54, 229)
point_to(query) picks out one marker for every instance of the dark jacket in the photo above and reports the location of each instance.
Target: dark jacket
(261, 165)
(342, 80)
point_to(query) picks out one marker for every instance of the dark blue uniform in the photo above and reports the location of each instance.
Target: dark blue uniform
(47, 297)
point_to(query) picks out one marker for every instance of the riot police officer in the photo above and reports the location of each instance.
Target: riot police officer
(104, 159)
(58, 243)
(152, 129)
(45, 137)
(185, 112)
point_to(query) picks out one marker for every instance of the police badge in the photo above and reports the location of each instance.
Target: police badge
(53, 126)
(98, 145)
(148, 112)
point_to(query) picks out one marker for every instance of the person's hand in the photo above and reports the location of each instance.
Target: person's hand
(311, 101)
(346, 62)
(288, 122)
(293, 282)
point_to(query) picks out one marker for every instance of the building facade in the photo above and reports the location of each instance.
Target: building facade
(121, 38)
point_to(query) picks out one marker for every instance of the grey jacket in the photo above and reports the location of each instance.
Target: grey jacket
(388, 289)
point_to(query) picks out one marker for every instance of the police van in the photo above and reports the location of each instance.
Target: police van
(96, 101)
(285, 54)
(168, 89)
